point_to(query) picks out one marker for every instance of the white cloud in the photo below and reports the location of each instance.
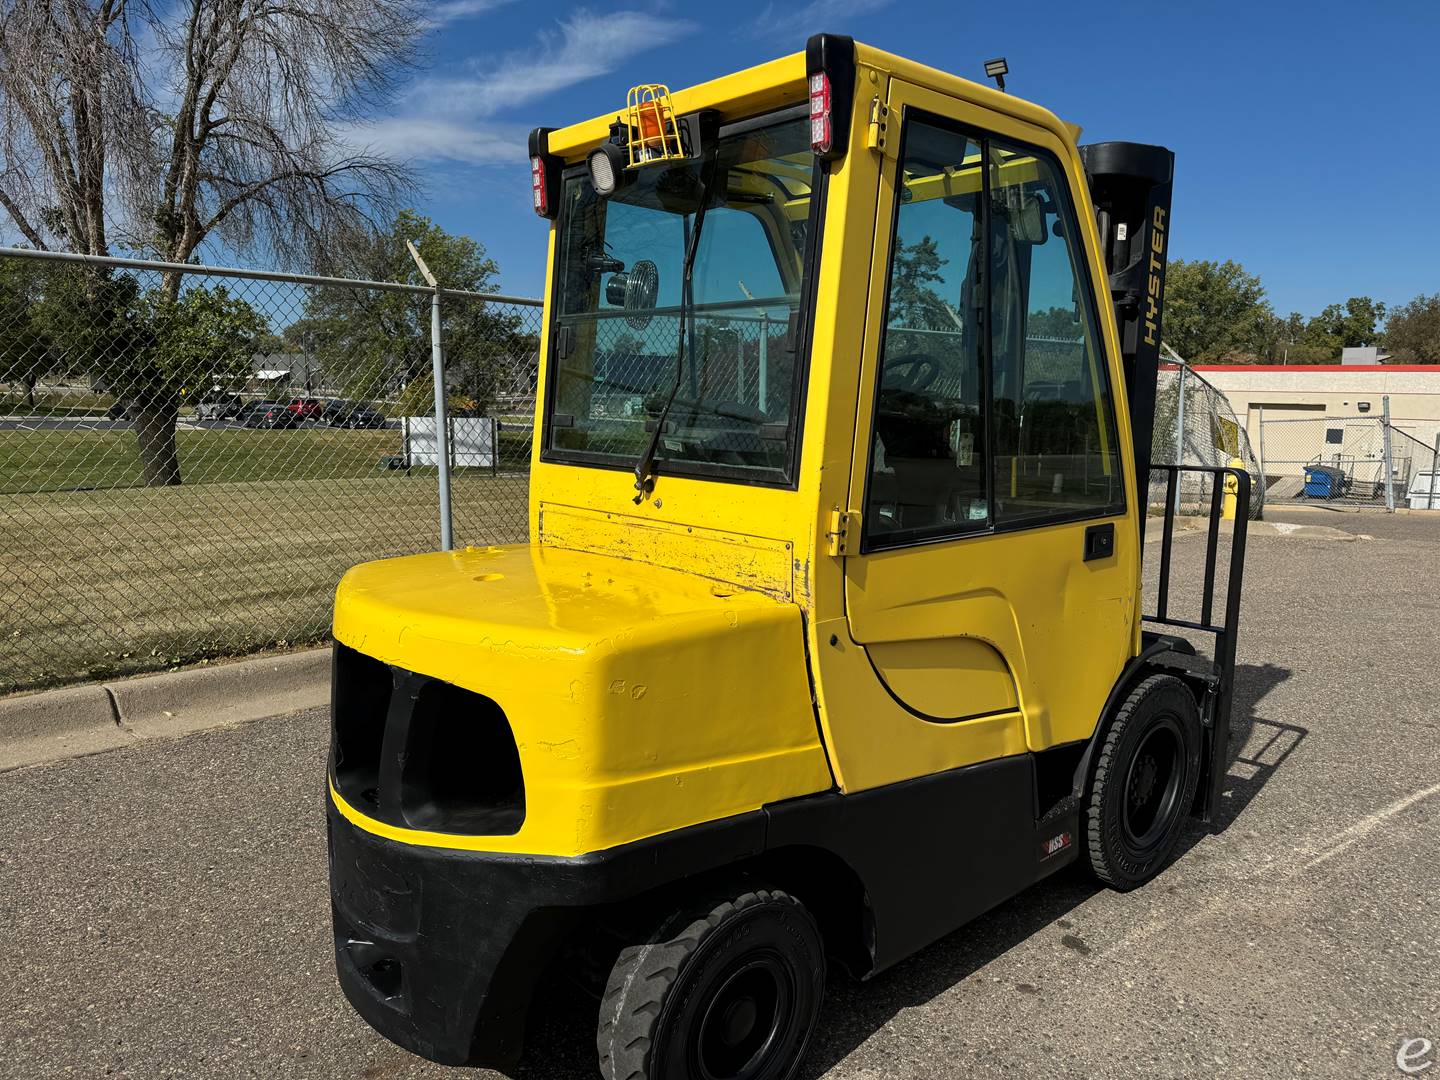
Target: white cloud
(449, 11)
(584, 46)
(420, 138)
(814, 17)
(450, 118)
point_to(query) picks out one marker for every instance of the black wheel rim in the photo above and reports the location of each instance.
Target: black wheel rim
(1152, 785)
(742, 1025)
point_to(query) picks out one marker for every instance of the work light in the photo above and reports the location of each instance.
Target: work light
(997, 69)
(606, 164)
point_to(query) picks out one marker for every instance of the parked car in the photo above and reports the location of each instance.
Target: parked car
(220, 407)
(352, 414)
(270, 414)
(306, 408)
(117, 412)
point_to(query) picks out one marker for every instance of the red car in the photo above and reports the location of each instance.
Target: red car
(305, 408)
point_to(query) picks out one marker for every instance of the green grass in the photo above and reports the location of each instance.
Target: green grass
(95, 584)
(41, 460)
(95, 460)
(101, 576)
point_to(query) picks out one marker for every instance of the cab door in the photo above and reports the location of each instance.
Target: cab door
(991, 564)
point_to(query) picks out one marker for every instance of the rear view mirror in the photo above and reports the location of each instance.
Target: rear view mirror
(1027, 221)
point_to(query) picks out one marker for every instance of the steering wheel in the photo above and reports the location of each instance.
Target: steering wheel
(910, 373)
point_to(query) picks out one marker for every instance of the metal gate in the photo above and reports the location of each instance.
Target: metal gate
(1336, 460)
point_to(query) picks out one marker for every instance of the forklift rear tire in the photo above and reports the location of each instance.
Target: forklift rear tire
(1144, 783)
(728, 989)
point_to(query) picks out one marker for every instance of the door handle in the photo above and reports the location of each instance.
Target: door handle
(1100, 541)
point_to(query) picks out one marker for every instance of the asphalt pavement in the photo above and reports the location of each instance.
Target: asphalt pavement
(165, 908)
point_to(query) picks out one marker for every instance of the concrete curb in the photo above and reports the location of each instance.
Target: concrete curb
(58, 724)
(77, 720)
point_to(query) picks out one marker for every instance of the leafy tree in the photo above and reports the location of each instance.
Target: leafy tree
(1216, 311)
(1318, 340)
(1412, 332)
(25, 351)
(299, 336)
(150, 350)
(1351, 324)
(1055, 322)
(378, 342)
(191, 122)
(914, 303)
(1298, 340)
(203, 338)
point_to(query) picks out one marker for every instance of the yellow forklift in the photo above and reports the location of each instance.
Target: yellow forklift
(828, 636)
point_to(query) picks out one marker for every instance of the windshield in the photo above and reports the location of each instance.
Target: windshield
(618, 289)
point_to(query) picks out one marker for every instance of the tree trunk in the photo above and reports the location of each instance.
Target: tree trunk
(30, 394)
(155, 431)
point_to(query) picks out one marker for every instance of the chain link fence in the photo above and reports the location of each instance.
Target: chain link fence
(1339, 461)
(190, 457)
(1195, 425)
(1333, 459)
(1423, 465)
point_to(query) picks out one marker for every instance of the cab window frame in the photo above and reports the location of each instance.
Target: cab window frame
(785, 478)
(959, 531)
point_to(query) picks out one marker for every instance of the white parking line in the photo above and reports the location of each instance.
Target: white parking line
(1348, 838)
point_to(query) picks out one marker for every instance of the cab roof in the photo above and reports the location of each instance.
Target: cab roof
(781, 82)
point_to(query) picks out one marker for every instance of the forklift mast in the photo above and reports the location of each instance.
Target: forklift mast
(1130, 185)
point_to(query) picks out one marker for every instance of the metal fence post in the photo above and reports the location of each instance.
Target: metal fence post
(762, 383)
(442, 426)
(1434, 468)
(1260, 432)
(1389, 464)
(1180, 433)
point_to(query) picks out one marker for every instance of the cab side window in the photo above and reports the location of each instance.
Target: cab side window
(1056, 453)
(928, 474)
(994, 408)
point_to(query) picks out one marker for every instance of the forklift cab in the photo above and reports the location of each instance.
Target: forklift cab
(828, 634)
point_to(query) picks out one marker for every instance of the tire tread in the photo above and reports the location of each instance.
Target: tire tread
(635, 993)
(1096, 853)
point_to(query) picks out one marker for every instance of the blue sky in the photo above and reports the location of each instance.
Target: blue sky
(1307, 134)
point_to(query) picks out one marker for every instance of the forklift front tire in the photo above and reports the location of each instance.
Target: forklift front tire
(727, 989)
(1144, 783)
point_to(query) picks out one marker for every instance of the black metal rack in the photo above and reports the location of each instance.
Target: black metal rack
(1223, 684)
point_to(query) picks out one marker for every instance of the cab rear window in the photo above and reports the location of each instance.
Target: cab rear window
(617, 326)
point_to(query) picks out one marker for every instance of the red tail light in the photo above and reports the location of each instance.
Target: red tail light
(821, 130)
(830, 83)
(537, 187)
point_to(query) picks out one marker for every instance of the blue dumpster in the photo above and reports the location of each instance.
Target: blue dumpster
(1324, 482)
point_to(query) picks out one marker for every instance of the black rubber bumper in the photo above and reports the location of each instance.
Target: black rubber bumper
(441, 951)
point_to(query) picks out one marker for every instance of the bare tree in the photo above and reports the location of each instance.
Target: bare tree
(170, 125)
